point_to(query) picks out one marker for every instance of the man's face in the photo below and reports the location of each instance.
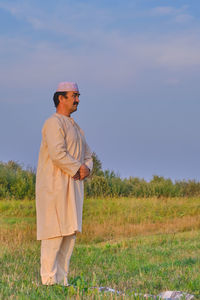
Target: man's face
(70, 101)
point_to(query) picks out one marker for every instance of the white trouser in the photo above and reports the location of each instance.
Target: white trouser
(55, 258)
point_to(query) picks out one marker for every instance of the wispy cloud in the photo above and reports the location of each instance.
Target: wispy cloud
(110, 59)
(183, 18)
(44, 64)
(168, 10)
(76, 21)
(163, 11)
(179, 15)
(15, 9)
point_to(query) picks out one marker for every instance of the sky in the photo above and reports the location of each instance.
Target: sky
(137, 65)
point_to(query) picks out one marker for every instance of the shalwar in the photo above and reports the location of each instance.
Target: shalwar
(55, 258)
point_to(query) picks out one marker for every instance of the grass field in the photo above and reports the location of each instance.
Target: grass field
(132, 245)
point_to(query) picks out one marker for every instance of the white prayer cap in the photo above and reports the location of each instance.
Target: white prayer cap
(67, 87)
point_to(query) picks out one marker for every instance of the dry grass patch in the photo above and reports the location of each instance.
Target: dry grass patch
(106, 219)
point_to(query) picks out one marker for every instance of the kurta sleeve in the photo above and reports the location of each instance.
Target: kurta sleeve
(54, 136)
(88, 157)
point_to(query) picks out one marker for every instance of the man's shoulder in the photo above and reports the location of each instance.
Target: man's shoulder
(53, 120)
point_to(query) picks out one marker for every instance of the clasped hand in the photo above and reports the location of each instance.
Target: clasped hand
(82, 173)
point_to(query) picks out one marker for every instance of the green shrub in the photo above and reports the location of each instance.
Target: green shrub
(19, 183)
(15, 182)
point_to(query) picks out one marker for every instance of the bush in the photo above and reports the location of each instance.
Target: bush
(19, 183)
(16, 182)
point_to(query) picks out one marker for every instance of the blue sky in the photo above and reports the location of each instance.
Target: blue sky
(137, 64)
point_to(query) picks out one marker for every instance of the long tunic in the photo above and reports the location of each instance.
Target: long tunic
(59, 198)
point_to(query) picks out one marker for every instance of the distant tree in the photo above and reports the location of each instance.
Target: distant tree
(110, 174)
(157, 179)
(97, 166)
(13, 165)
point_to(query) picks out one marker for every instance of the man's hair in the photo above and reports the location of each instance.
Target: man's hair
(56, 95)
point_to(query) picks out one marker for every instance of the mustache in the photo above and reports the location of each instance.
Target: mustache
(75, 102)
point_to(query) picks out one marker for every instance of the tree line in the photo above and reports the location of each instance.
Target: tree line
(16, 182)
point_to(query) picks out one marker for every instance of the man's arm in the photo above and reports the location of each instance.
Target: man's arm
(88, 157)
(86, 168)
(57, 148)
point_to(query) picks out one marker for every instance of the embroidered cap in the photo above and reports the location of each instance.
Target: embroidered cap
(67, 87)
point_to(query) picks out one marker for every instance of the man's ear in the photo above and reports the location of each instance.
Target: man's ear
(60, 98)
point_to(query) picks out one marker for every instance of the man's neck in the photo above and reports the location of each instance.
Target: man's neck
(62, 112)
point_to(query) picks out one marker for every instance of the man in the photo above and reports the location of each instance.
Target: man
(64, 162)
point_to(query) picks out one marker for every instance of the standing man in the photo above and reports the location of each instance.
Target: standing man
(64, 162)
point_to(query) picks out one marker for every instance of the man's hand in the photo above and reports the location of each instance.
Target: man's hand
(76, 176)
(84, 171)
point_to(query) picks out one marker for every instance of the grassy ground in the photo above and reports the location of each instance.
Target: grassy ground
(132, 245)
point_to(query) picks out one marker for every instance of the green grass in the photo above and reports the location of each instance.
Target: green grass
(144, 262)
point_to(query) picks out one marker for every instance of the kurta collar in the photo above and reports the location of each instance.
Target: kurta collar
(63, 116)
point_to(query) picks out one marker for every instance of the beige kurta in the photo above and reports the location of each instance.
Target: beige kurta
(59, 198)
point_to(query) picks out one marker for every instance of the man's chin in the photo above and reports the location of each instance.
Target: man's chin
(75, 109)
